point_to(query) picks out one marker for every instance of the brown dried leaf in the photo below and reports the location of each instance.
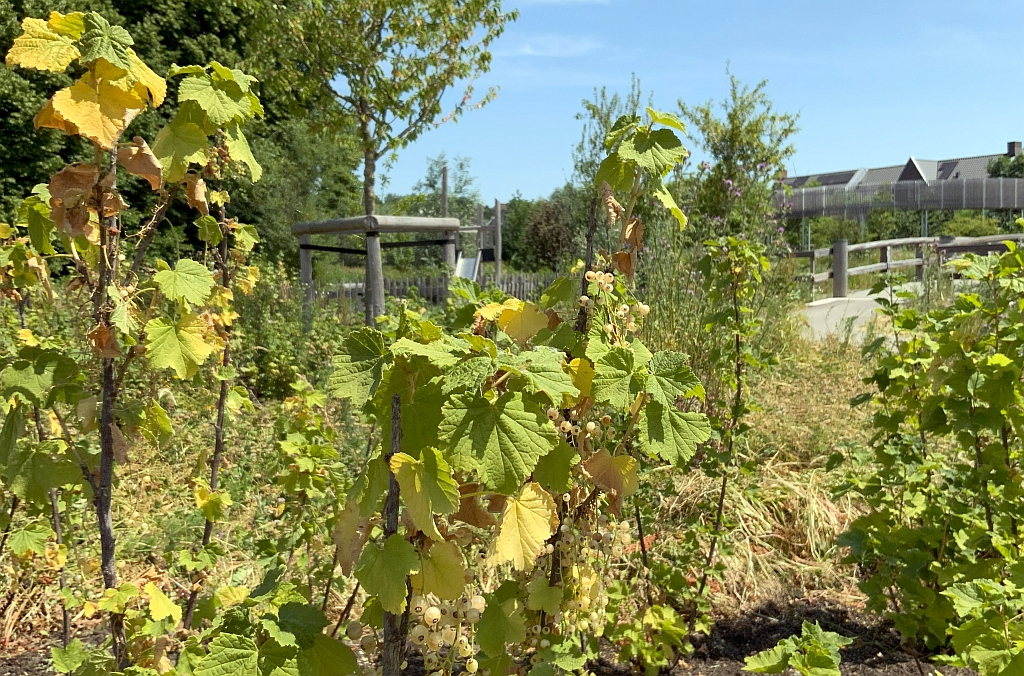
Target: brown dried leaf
(635, 233)
(140, 161)
(613, 210)
(121, 445)
(553, 319)
(625, 261)
(195, 193)
(350, 534)
(104, 342)
(471, 511)
(71, 191)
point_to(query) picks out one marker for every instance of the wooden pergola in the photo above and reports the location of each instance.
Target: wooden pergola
(447, 230)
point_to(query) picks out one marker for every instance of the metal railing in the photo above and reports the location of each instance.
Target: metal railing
(946, 248)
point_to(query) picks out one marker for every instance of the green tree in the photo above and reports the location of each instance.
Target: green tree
(747, 146)
(386, 64)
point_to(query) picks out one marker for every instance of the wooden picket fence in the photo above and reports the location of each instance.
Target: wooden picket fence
(434, 290)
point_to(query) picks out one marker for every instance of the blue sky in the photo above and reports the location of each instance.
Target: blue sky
(874, 82)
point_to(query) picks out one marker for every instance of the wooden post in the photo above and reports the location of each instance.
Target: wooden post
(497, 243)
(814, 262)
(306, 277)
(884, 256)
(840, 266)
(919, 268)
(449, 248)
(373, 288)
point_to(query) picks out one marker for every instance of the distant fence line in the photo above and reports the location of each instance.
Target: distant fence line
(434, 289)
(952, 194)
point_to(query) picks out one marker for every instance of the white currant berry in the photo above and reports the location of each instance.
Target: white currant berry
(472, 616)
(472, 665)
(478, 602)
(432, 614)
(368, 643)
(566, 426)
(591, 426)
(354, 629)
(608, 328)
(584, 301)
(553, 413)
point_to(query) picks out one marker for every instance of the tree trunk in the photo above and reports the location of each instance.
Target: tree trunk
(373, 289)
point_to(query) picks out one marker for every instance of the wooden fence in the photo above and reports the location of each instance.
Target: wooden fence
(945, 248)
(434, 289)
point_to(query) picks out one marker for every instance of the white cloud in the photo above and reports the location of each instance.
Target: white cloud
(552, 45)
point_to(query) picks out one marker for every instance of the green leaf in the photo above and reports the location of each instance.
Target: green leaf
(31, 538)
(161, 607)
(502, 440)
(238, 148)
(669, 202)
(545, 373)
(437, 353)
(209, 230)
(442, 572)
(772, 661)
(178, 145)
(614, 379)
(14, 427)
(37, 375)
(468, 374)
(656, 152)
(427, 487)
(501, 623)
(179, 345)
(103, 41)
(230, 655)
(564, 290)
(541, 596)
(672, 435)
(328, 657)
(246, 237)
(189, 280)
(667, 119)
(303, 621)
(33, 469)
(554, 470)
(672, 378)
(616, 173)
(358, 365)
(66, 660)
(221, 101)
(277, 658)
(34, 215)
(383, 571)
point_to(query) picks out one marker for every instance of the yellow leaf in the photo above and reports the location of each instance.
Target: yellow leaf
(492, 311)
(89, 609)
(231, 596)
(72, 25)
(521, 325)
(442, 572)
(42, 48)
(527, 522)
(617, 475)
(139, 160)
(147, 80)
(350, 534)
(427, 488)
(48, 118)
(6, 230)
(582, 375)
(99, 111)
(55, 556)
(161, 607)
(26, 337)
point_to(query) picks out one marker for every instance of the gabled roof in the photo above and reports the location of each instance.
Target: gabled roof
(914, 170)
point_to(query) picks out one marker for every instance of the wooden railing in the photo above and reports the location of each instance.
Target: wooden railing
(434, 289)
(946, 248)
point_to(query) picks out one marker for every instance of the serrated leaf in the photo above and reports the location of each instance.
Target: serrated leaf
(303, 621)
(563, 290)
(37, 376)
(177, 345)
(211, 503)
(383, 570)
(219, 100)
(615, 474)
(246, 237)
(13, 428)
(667, 119)
(178, 145)
(358, 365)
(161, 607)
(139, 160)
(229, 655)
(671, 378)
(582, 373)
(522, 324)
(41, 47)
(468, 374)
(614, 380)
(501, 440)
(500, 624)
(442, 572)
(72, 25)
(772, 661)
(437, 353)
(526, 523)
(672, 435)
(31, 538)
(66, 660)
(328, 657)
(104, 41)
(492, 311)
(189, 280)
(541, 596)
(97, 111)
(350, 533)
(665, 197)
(545, 371)
(209, 230)
(656, 152)
(427, 487)
(554, 470)
(239, 150)
(33, 469)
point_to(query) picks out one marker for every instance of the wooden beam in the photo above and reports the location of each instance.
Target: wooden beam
(362, 224)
